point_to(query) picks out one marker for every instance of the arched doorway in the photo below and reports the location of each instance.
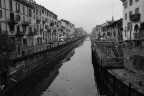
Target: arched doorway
(136, 28)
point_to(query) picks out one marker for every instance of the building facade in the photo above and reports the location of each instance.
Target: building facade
(132, 18)
(115, 31)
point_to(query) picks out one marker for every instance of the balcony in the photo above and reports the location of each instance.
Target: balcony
(54, 30)
(31, 33)
(3, 33)
(51, 24)
(35, 31)
(139, 35)
(25, 23)
(44, 21)
(49, 30)
(12, 21)
(20, 33)
(135, 17)
(41, 30)
(123, 0)
(38, 21)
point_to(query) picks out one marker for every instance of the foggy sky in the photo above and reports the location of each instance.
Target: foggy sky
(85, 13)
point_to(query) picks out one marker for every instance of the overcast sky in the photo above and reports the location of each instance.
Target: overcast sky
(84, 13)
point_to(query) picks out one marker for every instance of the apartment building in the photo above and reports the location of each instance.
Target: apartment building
(133, 14)
(27, 24)
(96, 31)
(115, 31)
(16, 22)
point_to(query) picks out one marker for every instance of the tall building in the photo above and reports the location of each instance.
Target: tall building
(132, 18)
(27, 25)
(16, 22)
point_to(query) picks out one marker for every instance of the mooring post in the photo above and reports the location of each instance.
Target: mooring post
(129, 89)
(114, 79)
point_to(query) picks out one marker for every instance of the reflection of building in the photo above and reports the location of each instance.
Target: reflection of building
(44, 84)
(132, 18)
(67, 58)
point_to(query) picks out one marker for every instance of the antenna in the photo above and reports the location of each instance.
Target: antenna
(112, 13)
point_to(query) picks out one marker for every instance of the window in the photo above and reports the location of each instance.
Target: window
(130, 2)
(125, 5)
(23, 18)
(129, 26)
(18, 28)
(136, 10)
(130, 13)
(42, 11)
(30, 13)
(0, 13)
(30, 20)
(37, 11)
(18, 17)
(0, 28)
(34, 10)
(17, 8)
(24, 10)
(10, 3)
(24, 29)
(0, 4)
(125, 16)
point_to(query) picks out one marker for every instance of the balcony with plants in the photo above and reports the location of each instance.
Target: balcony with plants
(135, 17)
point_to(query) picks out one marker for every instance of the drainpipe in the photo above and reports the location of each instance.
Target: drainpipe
(5, 14)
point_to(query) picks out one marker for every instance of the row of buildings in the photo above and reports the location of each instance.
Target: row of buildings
(129, 28)
(109, 31)
(27, 27)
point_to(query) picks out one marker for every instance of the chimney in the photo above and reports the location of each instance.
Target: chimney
(112, 18)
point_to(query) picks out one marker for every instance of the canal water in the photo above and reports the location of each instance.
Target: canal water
(72, 76)
(76, 76)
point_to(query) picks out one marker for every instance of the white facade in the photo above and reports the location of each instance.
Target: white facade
(137, 6)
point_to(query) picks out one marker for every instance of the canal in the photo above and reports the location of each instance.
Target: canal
(76, 76)
(71, 76)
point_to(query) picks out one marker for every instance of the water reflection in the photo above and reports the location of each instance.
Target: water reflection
(76, 77)
(36, 84)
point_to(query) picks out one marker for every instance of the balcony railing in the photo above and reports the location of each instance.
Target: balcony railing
(3, 33)
(12, 21)
(135, 17)
(49, 30)
(31, 33)
(25, 23)
(139, 35)
(51, 24)
(44, 21)
(41, 30)
(20, 33)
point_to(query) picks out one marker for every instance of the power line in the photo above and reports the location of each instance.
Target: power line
(80, 6)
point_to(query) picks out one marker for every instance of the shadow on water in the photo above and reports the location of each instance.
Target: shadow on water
(37, 83)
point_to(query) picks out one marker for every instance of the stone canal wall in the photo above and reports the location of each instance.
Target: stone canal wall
(108, 83)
